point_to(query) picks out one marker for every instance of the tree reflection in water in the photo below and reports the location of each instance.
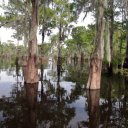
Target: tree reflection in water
(53, 110)
(30, 113)
(93, 98)
(113, 107)
(54, 106)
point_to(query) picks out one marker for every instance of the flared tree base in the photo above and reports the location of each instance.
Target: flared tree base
(94, 79)
(30, 71)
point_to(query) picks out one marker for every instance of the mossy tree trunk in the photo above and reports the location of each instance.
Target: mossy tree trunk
(97, 57)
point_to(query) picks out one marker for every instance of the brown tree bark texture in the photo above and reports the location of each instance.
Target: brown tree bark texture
(96, 60)
(31, 70)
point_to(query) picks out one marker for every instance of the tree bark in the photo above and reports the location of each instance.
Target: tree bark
(95, 74)
(33, 31)
(31, 72)
(97, 57)
(26, 24)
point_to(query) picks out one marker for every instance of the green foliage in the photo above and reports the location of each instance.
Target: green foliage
(45, 48)
(60, 14)
(16, 16)
(82, 40)
(10, 50)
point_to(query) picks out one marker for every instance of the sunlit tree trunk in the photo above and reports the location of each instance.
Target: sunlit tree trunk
(31, 70)
(96, 59)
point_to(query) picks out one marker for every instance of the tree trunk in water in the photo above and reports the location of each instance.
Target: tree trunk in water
(95, 74)
(96, 60)
(31, 66)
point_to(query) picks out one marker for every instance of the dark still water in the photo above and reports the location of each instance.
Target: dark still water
(64, 103)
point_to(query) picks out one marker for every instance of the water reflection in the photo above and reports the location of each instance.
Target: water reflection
(56, 103)
(53, 111)
(30, 113)
(93, 98)
(113, 108)
(31, 94)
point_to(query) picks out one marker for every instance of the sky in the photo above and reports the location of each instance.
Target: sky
(6, 33)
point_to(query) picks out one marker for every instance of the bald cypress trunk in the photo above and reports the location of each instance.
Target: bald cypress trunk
(33, 30)
(26, 24)
(31, 72)
(97, 57)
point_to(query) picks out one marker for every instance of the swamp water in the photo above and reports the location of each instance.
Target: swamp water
(70, 106)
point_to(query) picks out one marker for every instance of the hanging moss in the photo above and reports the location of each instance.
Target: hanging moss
(107, 40)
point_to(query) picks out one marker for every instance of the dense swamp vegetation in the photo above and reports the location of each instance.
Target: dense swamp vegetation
(58, 73)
